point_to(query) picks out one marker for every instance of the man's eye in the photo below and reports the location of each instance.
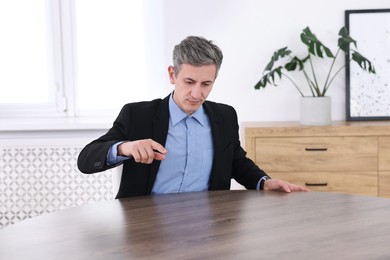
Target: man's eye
(189, 82)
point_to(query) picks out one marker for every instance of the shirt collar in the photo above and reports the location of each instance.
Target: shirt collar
(177, 114)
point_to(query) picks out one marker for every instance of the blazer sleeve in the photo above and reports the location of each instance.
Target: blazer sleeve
(244, 170)
(93, 157)
(230, 160)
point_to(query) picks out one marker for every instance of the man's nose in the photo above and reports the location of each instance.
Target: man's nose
(196, 91)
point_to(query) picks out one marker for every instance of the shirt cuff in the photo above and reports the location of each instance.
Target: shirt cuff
(258, 184)
(112, 155)
(264, 178)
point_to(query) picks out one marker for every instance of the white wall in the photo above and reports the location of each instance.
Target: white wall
(248, 32)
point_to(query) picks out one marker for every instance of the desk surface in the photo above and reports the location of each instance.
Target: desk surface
(209, 225)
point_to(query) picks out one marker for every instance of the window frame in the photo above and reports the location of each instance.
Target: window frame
(63, 78)
(58, 14)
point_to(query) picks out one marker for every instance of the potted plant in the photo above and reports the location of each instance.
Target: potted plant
(318, 89)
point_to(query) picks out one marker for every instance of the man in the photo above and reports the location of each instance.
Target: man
(181, 143)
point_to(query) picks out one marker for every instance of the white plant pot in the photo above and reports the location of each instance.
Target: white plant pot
(316, 111)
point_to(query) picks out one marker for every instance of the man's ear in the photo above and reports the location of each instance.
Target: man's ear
(171, 72)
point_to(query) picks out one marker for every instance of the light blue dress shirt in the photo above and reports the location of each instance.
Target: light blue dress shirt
(189, 158)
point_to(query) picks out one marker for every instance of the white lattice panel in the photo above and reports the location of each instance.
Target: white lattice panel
(41, 179)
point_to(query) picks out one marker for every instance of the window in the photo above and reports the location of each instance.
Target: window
(26, 68)
(110, 50)
(75, 58)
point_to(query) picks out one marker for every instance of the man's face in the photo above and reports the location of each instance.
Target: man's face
(192, 85)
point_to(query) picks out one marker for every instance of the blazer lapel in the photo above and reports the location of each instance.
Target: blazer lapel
(160, 132)
(217, 132)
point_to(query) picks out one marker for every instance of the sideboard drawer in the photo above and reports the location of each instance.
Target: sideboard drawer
(384, 184)
(384, 166)
(362, 183)
(384, 153)
(321, 154)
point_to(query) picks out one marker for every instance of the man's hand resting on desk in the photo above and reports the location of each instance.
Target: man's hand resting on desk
(143, 151)
(275, 184)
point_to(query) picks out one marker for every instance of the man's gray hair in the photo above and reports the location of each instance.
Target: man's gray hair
(196, 51)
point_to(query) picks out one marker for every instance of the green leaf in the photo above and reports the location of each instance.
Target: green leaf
(363, 62)
(316, 48)
(281, 53)
(269, 78)
(269, 65)
(314, 45)
(345, 40)
(294, 63)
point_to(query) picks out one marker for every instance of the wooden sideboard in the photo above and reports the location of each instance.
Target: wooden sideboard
(345, 157)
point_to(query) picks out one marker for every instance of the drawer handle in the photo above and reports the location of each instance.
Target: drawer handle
(316, 149)
(316, 184)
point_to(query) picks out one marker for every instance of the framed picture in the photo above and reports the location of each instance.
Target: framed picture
(368, 95)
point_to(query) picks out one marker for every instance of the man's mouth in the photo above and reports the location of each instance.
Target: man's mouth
(194, 102)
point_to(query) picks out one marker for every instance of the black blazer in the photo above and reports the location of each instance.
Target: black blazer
(150, 120)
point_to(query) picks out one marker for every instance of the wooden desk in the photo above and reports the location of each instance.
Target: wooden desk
(209, 225)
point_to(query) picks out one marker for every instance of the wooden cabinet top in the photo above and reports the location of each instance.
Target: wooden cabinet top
(337, 128)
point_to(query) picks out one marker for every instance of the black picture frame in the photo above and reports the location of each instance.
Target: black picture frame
(368, 95)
